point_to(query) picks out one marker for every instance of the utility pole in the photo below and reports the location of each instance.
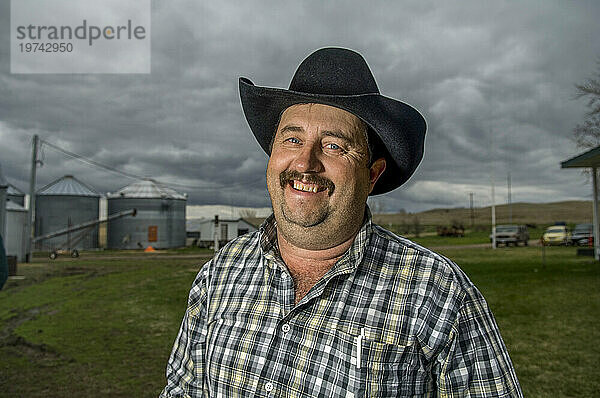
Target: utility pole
(509, 201)
(471, 207)
(31, 210)
(493, 191)
(493, 214)
(595, 214)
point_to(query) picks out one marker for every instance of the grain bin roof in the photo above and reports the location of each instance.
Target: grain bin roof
(12, 190)
(147, 189)
(68, 185)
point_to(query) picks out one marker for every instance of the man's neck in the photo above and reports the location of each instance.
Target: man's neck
(289, 250)
(308, 266)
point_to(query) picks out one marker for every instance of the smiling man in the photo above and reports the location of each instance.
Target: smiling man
(321, 302)
(319, 179)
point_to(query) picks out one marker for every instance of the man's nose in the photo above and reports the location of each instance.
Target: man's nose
(308, 159)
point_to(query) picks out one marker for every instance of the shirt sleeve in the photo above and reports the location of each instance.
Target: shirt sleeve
(185, 368)
(475, 361)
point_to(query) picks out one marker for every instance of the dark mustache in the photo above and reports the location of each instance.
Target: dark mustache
(286, 176)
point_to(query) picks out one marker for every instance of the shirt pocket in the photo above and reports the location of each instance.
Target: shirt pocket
(386, 370)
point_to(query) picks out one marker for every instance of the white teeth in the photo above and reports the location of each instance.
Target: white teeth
(305, 187)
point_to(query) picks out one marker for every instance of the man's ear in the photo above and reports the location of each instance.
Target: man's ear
(376, 170)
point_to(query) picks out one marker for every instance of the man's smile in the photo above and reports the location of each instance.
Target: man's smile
(306, 182)
(307, 186)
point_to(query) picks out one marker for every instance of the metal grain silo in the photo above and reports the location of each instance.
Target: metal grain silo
(15, 195)
(16, 231)
(64, 203)
(160, 219)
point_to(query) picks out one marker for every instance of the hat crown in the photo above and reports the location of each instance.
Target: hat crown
(334, 71)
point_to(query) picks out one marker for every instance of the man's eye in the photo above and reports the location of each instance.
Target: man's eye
(333, 146)
(293, 140)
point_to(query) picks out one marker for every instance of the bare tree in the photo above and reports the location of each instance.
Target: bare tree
(417, 226)
(587, 133)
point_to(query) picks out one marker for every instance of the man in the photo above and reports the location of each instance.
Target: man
(320, 302)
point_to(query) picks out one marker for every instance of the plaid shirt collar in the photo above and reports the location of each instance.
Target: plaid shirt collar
(346, 264)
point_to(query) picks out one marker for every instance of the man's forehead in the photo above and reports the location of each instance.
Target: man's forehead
(301, 116)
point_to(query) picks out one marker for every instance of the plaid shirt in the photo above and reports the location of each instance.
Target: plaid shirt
(427, 331)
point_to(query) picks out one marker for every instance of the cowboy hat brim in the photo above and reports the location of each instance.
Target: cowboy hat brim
(400, 127)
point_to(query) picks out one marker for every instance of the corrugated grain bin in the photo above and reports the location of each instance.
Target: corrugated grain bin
(64, 203)
(15, 238)
(160, 219)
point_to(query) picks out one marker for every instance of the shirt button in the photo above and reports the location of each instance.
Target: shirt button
(269, 387)
(285, 328)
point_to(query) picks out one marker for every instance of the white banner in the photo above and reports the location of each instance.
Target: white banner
(75, 36)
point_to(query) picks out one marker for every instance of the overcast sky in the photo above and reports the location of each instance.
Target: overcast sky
(495, 81)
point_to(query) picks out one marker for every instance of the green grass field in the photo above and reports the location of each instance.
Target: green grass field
(472, 236)
(571, 212)
(103, 325)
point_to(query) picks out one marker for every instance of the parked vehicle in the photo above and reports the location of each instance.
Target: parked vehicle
(511, 234)
(556, 235)
(583, 234)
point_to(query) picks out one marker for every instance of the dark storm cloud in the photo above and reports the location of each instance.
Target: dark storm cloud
(494, 80)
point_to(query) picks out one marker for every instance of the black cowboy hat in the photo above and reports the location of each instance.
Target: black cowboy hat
(341, 78)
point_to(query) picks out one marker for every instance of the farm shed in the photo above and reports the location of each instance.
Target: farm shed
(589, 159)
(201, 231)
(15, 236)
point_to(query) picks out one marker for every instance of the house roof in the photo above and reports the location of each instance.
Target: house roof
(12, 190)
(193, 224)
(590, 158)
(12, 206)
(255, 221)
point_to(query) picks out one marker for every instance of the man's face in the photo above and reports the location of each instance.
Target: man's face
(318, 175)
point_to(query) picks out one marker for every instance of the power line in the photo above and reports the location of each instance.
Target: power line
(141, 178)
(91, 162)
